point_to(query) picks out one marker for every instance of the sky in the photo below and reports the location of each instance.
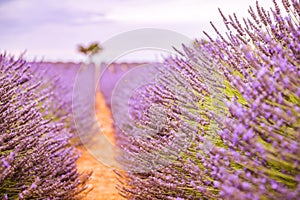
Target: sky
(52, 29)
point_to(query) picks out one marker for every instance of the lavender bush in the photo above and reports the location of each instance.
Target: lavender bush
(61, 78)
(36, 159)
(242, 91)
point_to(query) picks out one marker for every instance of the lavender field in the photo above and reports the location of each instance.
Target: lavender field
(217, 119)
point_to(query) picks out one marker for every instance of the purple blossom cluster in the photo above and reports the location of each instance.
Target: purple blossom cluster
(235, 100)
(36, 158)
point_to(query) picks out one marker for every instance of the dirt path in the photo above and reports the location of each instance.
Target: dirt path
(103, 180)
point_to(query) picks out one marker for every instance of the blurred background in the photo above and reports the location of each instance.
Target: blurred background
(52, 29)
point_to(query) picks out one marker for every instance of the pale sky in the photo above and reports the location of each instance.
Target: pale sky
(51, 29)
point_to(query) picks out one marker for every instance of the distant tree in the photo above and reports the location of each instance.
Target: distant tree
(91, 49)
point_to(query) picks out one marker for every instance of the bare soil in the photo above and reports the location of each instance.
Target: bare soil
(103, 179)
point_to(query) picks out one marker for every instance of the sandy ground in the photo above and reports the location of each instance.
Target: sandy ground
(103, 180)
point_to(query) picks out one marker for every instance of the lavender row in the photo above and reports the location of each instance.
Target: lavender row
(224, 121)
(37, 159)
